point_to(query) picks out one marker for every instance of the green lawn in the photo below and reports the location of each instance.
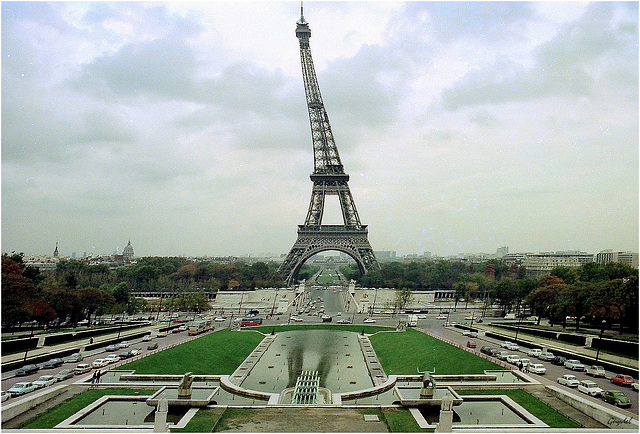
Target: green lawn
(408, 351)
(216, 353)
(401, 420)
(203, 421)
(75, 404)
(539, 409)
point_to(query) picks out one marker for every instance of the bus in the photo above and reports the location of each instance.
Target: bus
(253, 321)
(197, 327)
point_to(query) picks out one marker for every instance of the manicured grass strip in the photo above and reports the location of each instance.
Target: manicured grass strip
(342, 327)
(401, 420)
(408, 351)
(203, 421)
(75, 404)
(216, 353)
(539, 409)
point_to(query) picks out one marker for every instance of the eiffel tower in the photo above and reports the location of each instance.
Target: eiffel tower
(328, 178)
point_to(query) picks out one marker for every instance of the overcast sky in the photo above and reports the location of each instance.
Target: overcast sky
(183, 126)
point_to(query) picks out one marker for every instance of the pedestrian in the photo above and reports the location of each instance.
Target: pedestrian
(94, 377)
(90, 340)
(520, 366)
(98, 375)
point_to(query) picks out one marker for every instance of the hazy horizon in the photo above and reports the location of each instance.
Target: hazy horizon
(183, 127)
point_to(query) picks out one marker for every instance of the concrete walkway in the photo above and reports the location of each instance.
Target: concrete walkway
(577, 349)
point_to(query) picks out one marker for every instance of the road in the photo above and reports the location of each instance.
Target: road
(89, 357)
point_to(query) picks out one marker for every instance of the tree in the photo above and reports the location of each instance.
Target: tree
(42, 312)
(93, 299)
(17, 293)
(402, 298)
(121, 293)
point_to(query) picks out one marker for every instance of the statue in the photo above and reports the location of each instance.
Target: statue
(445, 423)
(402, 325)
(184, 389)
(428, 384)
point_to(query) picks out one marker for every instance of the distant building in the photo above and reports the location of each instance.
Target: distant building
(385, 256)
(515, 258)
(127, 253)
(501, 252)
(541, 264)
(606, 256)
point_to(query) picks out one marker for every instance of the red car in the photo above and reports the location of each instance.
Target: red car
(471, 344)
(623, 380)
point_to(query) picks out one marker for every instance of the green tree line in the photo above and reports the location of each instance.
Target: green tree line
(591, 292)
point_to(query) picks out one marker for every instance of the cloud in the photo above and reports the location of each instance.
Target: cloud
(562, 66)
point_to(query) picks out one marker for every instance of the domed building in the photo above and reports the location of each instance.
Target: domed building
(127, 253)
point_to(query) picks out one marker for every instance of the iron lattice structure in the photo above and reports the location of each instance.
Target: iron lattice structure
(328, 178)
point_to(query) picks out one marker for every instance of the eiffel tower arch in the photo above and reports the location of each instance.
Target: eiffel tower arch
(329, 178)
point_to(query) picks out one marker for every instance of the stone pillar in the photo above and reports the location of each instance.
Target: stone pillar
(160, 421)
(445, 424)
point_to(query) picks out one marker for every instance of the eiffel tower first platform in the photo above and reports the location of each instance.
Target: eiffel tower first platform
(328, 178)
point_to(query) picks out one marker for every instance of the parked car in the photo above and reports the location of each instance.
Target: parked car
(634, 386)
(369, 320)
(44, 381)
(152, 346)
(147, 338)
(4, 396)
(524, 361)
(470, 334)
(502, 355)
(344, 321)
(568, 380)
(510, 346)
(135, 351)
(574, 365)
(21, 388)
(471, 344)
(74, 358)
(183, 328)
(123, 344)
(590, 388)
(546, 357)
(162, 334)
(125, 354)
(487, 350)
(558, 360)
(82, 368)
(112, 358)
(53, 363)
(99, 363)
(296, 319)
(111, 348)
(595, 370)
(514, 359)
(64, 374)
(622, 380)
(219, 319)
(176, 330)
(616, 398)
(441, 317)
(537, 368)
(27, 370)
(534, 352)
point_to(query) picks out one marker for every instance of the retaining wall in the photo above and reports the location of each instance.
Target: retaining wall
(604, 415)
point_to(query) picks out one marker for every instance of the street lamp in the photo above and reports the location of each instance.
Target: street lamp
(604, 322)
(373, 310)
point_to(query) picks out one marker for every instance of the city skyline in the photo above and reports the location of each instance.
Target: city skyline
(464, 126)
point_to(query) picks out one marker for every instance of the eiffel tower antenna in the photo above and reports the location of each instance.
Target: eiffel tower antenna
(302, 21)
(328, 178)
